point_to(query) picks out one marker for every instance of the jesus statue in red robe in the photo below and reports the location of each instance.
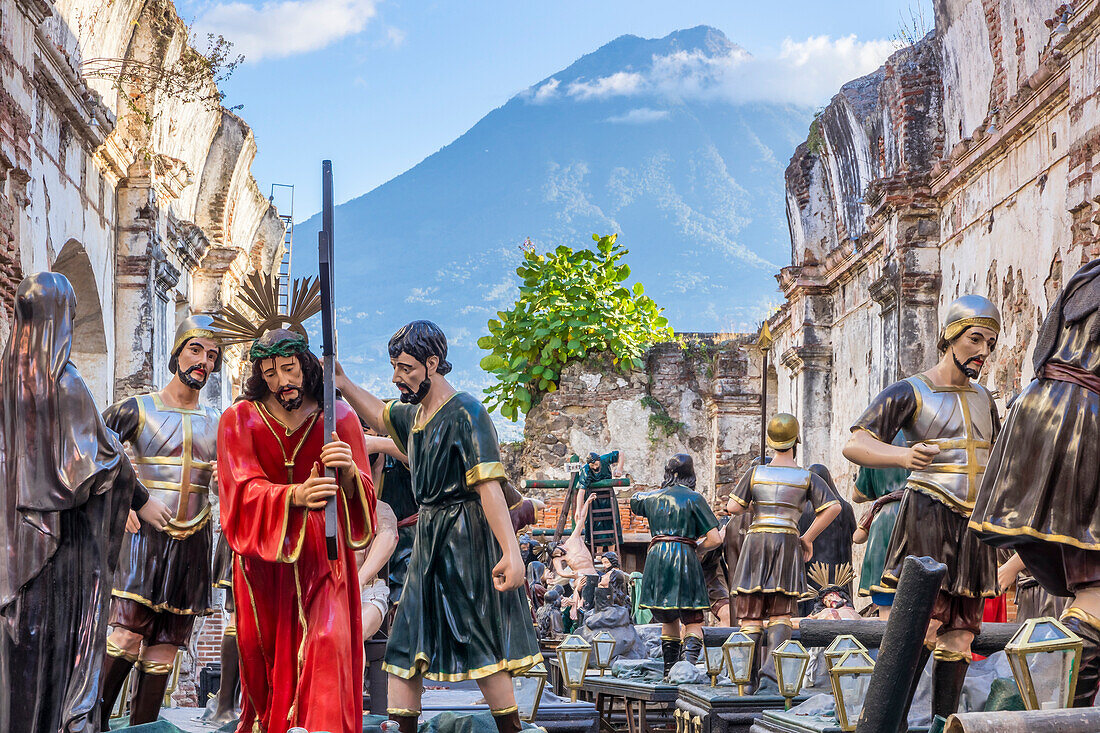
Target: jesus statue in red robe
(298, 613)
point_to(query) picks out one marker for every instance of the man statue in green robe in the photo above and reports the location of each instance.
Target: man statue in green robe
(463, 613)
(601, 468)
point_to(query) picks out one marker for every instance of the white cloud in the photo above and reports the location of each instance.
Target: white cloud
(621, 83)
(422, 295)
(639, 116)
(803, 72)
(395, 36)
(284, 28)
(545, 92)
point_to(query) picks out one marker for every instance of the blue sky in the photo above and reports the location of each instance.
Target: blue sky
(377, 85)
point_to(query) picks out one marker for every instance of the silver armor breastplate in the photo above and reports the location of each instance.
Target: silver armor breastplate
(173, 452)
(960, 422)
(778, 495)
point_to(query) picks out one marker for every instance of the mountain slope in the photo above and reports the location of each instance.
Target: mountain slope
(692, 184)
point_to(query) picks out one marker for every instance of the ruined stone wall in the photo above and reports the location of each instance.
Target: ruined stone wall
(983, 141)
(702, 399)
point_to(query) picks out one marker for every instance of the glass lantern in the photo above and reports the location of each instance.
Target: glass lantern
(1045, 659)
(738, 650)
(573, 655)
(791, 660)
(537, 674)
(603, 644)
(713, 656)
(850, 675)
(839, 645)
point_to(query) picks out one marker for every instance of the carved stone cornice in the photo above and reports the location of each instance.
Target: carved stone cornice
(167, 277)
(810, 358)
(188, 241)
(884, 289)
(80, 106)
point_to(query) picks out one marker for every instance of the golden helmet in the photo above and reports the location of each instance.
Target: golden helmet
(194, 326)
(970, 310)
(782, 431)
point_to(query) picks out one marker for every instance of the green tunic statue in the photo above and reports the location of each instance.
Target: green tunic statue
(673, 576)
(873, 484)
(587, 477)
(451, 623)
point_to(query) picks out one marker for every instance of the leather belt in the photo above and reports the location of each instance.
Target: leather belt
(672, 538)
(1073, 375)
(408, 521)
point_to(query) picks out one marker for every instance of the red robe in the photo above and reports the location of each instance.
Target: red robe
(298, 617)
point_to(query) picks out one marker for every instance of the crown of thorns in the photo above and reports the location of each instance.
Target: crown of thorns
(261, 294)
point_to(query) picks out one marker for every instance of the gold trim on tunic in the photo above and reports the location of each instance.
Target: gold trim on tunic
(825, 506)
(421, 663)
(773, 530)
(739, 500)
(483, 472)
(159, 606)
(872, 433)
(962, 594)
(388, 422)
(1060, 539)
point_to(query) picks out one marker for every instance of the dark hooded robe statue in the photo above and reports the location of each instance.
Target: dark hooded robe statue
(66, 488)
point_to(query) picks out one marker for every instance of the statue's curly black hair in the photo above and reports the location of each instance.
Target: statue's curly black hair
(420, 340)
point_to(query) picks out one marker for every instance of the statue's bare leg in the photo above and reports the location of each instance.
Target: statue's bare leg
(404, 701)
(500, 696)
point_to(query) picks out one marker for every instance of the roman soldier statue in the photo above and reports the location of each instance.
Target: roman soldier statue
(770, 577)
(1041, 492)
(948, 422)
(163, 580)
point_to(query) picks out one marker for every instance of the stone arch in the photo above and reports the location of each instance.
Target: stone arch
(89, 336)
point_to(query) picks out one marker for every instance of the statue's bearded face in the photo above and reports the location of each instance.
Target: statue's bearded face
(971, 349)
(411, 376)
(196, 362)
(283, 375)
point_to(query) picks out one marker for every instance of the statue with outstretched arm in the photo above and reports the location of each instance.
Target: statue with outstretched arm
(463, 614)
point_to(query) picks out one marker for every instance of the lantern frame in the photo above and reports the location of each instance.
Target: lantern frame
(863, 665)
(570, 644)
(600, 643)
(537, 672)
(714, 667)
(1020, 647)
(835, 650)
(739, 640)
(790, 649)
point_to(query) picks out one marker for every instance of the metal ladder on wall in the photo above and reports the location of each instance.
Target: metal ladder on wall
(287, 218)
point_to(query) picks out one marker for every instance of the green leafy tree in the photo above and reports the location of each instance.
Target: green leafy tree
(573, 304)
